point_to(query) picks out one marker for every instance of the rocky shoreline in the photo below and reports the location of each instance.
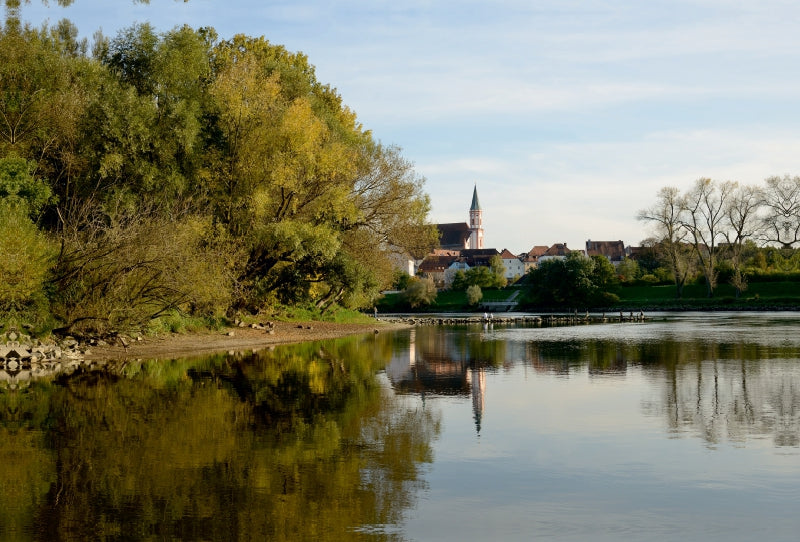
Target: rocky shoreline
(546, 319)
(23, 358)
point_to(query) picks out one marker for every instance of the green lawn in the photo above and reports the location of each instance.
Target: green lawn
(446, 300)
(758, 294)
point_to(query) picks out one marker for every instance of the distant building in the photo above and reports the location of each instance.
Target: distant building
(613, 250)
(558, 251)
(515, 267)
(460, 235)
(454, 236)
(531, 259)
(475, 222)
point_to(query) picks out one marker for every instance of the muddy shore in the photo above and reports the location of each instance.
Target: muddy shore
(175, 345)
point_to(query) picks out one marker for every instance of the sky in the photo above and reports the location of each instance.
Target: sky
(568, 115)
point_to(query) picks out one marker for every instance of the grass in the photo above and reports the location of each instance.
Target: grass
(759, 295)
(446, 301)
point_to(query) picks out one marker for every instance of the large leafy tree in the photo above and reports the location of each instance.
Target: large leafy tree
(564, 283)
(298, 178)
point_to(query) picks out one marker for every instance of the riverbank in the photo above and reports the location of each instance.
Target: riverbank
(174, 345)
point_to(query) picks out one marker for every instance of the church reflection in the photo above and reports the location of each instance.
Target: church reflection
(712, 390)
(449, 364)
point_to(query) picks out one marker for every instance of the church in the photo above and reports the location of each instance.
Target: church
(460, 247)
(459, 236)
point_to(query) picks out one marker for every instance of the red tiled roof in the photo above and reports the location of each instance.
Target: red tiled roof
(559, 249)
(534, 253)
(436, 264)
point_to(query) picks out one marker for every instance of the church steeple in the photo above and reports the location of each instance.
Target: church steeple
(476, 206)
(475, 221)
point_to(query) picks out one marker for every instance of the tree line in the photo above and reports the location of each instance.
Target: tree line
(714, 231)
(159, 171)
(725, 228)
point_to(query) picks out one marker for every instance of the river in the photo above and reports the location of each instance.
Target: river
(683, 427)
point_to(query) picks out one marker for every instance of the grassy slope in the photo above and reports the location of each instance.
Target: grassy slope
(759, 295)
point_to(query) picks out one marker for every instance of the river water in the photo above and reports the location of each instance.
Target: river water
(682, 427)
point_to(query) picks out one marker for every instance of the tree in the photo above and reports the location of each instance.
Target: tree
(671, 235)
(781, 220)
(704, 218)
(26, 253)
(420, 292)
(628, 270)
(498, 269)
(474, 295)
(604, 274)
(565, 283)
(741, 217)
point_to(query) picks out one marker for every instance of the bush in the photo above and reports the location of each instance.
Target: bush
(474, 295)
(420, 292)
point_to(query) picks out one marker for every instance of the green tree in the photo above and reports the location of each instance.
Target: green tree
(563, 283)
(628, 270)
(420, 292)
(498, 269)
(474, 295)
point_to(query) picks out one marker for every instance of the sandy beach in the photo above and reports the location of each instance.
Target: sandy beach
(176, 345)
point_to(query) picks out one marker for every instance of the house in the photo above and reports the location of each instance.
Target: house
(557, 251)
(475, 257)
(434, 267)
(613, 250)
(531, 259)
(515, 268)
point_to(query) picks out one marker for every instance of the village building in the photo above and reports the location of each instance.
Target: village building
(436, 267)
(475, 222)
(454, 236)
(531, 259)
(515, 267)
(613, 250)
(558, 251)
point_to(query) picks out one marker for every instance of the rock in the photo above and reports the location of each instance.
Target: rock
(230, 334)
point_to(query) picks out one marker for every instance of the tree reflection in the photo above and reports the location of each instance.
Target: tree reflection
(298, 443)
(716, 390)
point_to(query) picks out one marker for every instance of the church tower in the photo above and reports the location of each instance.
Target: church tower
(475, 222)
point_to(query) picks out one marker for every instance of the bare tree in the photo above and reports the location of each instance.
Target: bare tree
(781, 221)
(671, 235)
(741, 217)
(703, 218)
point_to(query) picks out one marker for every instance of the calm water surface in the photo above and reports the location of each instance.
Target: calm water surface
(685, 427)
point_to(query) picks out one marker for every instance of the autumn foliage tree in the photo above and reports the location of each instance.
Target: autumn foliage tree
(190, 174)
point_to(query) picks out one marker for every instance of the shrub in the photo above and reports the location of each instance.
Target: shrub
(474, 295)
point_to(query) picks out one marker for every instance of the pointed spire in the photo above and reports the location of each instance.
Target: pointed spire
(476, 206)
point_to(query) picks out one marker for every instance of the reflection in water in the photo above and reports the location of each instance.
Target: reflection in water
(298, 443)
(723, 399)
(314, 442)
(731, 378)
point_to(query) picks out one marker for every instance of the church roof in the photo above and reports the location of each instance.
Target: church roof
(476, 206)
(453, 235)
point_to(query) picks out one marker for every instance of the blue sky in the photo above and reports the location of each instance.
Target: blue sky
(568, 115)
